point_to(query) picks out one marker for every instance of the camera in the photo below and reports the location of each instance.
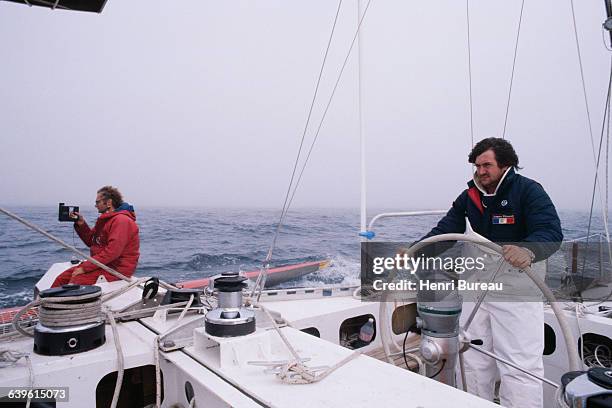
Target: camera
(64, 213)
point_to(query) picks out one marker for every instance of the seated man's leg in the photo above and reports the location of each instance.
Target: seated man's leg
(63, 278)
(480, 370)
(89, 278)
(518, 335)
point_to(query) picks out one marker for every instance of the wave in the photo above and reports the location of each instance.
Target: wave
(342, 271)
(201, 261)
(18, 298)
(195, 243)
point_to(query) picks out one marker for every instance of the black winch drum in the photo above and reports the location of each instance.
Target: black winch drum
(62, 340)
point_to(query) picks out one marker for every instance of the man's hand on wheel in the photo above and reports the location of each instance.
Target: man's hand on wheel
(516, 256)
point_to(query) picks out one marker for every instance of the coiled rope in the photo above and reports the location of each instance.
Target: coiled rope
(62, 311)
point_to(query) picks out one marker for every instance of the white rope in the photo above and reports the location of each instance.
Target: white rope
(178, 321)
(131, 314)
(606, 363)
(65, 245)
(580, 310)
(17, 318)
(589, 350)
(9, 358)
(156, 351)
(53, 312)
(111, 295)
(294, 371)
(157, 374)
(31, 376)
(120, 362)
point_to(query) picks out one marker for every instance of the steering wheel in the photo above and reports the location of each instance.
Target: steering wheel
(472, 237)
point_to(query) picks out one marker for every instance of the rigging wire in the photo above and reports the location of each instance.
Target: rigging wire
(584, 92)
(260, 282)
(607, 170)
(518, 34)
(314, 97)
(605, 125)
(609, 295)
(469, 55)
(588, 114)
(603, 199)
(330, 101)
(605, 210)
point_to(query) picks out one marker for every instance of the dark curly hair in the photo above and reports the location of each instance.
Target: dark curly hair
(110, 192)
(504, 152)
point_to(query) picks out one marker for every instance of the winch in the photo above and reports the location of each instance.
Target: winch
(70, 320)
(230, 318)
(588, 389)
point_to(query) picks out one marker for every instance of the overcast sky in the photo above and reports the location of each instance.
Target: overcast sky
(203, 103)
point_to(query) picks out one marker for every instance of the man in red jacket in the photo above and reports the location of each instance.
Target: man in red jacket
(113, 241)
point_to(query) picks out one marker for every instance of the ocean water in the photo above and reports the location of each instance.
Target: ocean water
(179, 244)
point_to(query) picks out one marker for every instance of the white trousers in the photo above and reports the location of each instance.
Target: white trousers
(515, 332)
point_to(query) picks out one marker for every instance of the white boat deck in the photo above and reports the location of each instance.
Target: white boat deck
(219, 372)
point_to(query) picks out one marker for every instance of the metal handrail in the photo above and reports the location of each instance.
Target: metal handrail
(401, 214)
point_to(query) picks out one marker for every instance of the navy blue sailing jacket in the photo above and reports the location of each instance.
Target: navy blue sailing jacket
(520, 212)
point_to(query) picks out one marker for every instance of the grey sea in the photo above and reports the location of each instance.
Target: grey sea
(179, 244)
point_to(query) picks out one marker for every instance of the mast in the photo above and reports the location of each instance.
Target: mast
(362, 138)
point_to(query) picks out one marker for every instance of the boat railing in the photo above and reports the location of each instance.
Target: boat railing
(598, 235)
(369, 234)
(271, 295)
(588, 257)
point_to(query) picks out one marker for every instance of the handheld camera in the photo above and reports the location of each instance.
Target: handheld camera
(64, 213)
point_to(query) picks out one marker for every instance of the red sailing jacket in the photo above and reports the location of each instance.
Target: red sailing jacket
(113, 241)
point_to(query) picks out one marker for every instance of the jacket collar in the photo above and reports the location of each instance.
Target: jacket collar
(124, 208)
(506, 180)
